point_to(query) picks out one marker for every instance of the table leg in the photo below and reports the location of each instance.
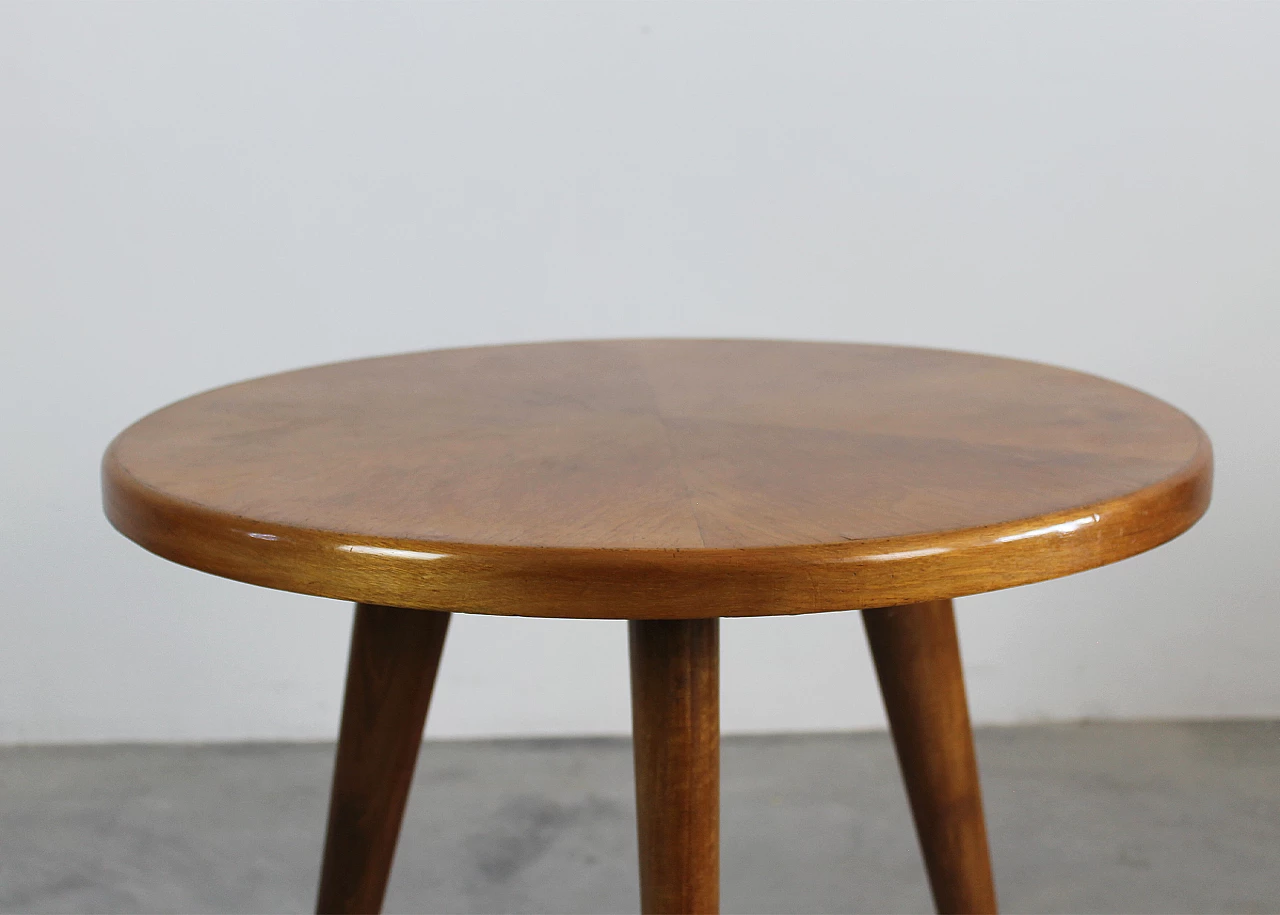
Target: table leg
(917, 656)
(675, 702)
(394, 657)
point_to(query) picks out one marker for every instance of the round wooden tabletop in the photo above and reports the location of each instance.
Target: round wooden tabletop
(659, 478)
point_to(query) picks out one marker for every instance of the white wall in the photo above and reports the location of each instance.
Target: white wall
(192, 194)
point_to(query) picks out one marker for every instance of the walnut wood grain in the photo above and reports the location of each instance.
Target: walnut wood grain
(917, 658)
(659, 479)
(394, 657)
(675, 702)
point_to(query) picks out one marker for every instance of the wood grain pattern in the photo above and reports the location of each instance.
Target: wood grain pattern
(394, 657)
(675, 703)
(659, 479)
(917, 657)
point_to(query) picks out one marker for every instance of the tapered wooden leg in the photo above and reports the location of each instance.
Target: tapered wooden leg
(394, 657)
(917, 656)
(675, 713)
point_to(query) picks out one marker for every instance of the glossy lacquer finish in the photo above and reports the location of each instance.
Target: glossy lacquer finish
(659, 479)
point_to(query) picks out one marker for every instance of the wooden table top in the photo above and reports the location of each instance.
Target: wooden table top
(659, 478)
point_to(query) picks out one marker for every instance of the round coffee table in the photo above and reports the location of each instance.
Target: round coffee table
(668, 483)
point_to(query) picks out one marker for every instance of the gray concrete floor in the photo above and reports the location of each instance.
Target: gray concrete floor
(1086, 818)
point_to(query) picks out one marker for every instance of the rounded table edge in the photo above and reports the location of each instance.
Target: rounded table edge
(658, 584)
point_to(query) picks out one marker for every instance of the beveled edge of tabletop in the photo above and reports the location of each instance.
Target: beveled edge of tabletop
(655, 583)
